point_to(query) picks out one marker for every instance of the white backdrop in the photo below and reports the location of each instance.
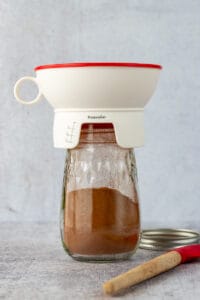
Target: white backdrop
(41, 32)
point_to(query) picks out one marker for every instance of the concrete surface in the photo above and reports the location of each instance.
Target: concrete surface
(40, 32)
(33, 265)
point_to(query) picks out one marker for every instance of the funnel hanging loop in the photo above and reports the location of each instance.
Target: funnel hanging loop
(17, 90)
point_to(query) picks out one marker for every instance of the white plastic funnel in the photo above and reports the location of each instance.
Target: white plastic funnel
(95, 93)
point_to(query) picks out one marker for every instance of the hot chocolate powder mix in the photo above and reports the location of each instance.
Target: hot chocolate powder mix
(100, 221)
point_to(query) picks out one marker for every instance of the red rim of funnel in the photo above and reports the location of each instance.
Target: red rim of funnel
(99, 64)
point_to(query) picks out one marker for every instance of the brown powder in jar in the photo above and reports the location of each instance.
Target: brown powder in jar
(100, 221)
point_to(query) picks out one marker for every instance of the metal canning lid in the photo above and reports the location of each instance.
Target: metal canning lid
(167, 238)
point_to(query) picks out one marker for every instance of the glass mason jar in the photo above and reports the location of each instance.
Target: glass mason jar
(100, 214)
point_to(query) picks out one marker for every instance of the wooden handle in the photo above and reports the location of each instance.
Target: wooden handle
(142, 272)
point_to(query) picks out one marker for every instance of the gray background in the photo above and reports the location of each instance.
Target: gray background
(40, 32)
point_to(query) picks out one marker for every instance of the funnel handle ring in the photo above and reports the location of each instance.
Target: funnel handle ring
(17, 89)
